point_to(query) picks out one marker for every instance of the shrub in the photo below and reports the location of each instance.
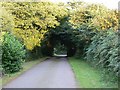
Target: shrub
(103, 52)
(13, 54)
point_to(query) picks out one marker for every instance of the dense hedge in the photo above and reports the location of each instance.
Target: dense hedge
(103, 51)
(13, 54)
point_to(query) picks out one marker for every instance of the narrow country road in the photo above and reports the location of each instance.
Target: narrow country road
(52, 73)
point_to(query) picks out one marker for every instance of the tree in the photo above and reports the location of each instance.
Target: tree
(33, 20)
(96, 15)
(13, 54)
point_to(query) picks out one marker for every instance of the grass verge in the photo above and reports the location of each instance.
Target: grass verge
(26, 66)
(87, 76)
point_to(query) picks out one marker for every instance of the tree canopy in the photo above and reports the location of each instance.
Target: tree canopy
(33, 20)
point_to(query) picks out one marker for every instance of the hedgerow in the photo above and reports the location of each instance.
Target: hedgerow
(103, 51)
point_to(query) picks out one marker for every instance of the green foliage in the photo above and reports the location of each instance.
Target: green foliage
(88, 20)
(60, 49)
(34, 54)
(103, 51)
(13, 54)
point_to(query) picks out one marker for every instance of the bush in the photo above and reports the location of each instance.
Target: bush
(34, 54)
(13, 54)
(103, 52)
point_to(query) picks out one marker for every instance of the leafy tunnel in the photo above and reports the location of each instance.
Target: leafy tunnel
(62, 37)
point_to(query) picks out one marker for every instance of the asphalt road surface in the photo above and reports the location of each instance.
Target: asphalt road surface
(52, 73)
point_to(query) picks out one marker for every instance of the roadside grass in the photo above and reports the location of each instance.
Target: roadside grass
(26, 66)
(87, 76)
